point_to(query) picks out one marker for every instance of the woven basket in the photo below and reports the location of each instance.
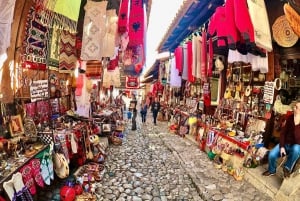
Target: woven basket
(293, 18)
(283, 34)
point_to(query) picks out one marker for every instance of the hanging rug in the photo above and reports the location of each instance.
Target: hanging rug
(67, 50)
(35, 42)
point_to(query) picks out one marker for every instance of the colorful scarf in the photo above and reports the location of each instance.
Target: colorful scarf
(62, 14)
(67, 50)
(123, 21)
(53, 49)
(35, 42)
(93, 30)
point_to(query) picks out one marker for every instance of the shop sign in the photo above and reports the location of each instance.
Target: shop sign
(39, 90)
(132, 82)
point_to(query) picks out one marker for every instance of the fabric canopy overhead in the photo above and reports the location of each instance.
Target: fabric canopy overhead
(191, 16)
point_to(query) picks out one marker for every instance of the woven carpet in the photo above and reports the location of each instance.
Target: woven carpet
(67, 50)
(35, 42)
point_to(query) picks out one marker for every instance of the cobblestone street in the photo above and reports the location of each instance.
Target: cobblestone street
(153, 164)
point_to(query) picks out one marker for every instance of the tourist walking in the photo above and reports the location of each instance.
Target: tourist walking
(155, 107)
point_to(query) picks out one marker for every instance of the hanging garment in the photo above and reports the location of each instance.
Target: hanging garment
(216, 26)
(198, 57)
(243, 23)
(233, 36)
(185, 63)
(35, 42)
(175, 79)
(259, 17)
(79, 84)
(93, 30)
(67, 50)
(109, 40)
(196, 66)
(190, 61)
(178, 53)
(6, 17)
(123, 19)
(203, 56)
(210, 58)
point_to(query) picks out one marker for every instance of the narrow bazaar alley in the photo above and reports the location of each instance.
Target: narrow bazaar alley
(153, 164)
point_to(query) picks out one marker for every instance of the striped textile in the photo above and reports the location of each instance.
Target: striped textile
(67, 50)
(93, 68)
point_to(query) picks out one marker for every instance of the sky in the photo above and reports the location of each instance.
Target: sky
(161, 15)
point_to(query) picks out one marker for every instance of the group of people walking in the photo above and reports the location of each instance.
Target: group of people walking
(153, 106)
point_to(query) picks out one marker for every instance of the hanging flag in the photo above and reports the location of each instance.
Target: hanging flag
(123, 16)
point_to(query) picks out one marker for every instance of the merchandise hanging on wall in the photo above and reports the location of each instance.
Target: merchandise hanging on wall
(283, 34)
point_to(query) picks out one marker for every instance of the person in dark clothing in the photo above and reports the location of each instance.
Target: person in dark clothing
(132, 108)
(144, 108)
(289, 144)
(155, 107)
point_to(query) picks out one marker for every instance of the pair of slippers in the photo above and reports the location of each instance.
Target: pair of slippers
(15, 188)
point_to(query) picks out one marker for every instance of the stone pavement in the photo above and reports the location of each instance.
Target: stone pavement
(154, 165)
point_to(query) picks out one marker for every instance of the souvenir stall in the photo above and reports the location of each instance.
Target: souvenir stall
(53, 72)
(242, 83)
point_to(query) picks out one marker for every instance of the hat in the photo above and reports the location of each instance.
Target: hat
(292, 17)
(283, 34)
(61, 166)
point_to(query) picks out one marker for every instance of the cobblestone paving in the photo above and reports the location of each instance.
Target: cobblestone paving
(153, 164)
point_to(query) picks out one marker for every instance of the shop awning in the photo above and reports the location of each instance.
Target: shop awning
(152, 73)
(190, 17)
